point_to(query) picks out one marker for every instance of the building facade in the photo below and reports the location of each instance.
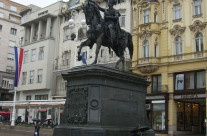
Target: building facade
(10, 29)
(170, 51)
(37, 80)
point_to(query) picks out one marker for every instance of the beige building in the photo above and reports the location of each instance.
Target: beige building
(170, 51)
(10, 29)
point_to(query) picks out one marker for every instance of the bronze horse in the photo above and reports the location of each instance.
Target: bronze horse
(96, 34)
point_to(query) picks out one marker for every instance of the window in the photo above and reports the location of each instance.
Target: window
(33, 55)
(199, 42)
(1, 15)
(13, 8)
(39, 76)
(146, 16)
(24, 78)
(179, 82)
(9, 69)
(177, 12)
(187, 115)
(146, 49)
(12, 43)
(197, 7)
(156, 83)
(190, 80)
(155, 50)
(1, 4)
(10, 56)
(201, 79)
(13, 31)
(7, 83)
(28, 97)
(0, 28)
(13, 18)
(155, 17)
(66, 34)
(158, 116)
(41, 53)
(122, 19)
(31, 79)
(41, 97)
(178, 45)
(25, 59)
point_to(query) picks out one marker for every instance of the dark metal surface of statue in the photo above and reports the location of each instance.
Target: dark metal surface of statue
(105, 32)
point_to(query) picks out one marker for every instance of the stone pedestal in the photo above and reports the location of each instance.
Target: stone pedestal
(103, 101)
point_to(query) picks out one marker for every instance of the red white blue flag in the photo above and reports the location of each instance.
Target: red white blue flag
(18, 62)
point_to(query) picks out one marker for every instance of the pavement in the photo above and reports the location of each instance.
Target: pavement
(6, 130)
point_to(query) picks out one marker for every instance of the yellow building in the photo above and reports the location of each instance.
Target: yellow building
(170, 50)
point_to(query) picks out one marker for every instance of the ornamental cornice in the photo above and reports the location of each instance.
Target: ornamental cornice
(177, 30)
(148, 68)
(145, 34)
(197, 26)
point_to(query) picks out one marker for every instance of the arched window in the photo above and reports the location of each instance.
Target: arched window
(178, 45)
(199, 42)
(145, 49)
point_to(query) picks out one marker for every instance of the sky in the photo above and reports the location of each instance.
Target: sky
(40, 3)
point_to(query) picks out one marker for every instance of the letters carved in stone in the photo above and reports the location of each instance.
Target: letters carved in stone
(177, 30)
(197, 26)
(77, 105)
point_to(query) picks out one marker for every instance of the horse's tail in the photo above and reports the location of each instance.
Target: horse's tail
(130, 45)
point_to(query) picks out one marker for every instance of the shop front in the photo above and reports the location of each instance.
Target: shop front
(191, 111)
(157, 111)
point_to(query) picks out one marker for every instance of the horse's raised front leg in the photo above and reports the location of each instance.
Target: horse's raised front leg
(85, 43)
(98, 46)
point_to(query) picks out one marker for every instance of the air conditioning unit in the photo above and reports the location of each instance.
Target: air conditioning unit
(148, 106)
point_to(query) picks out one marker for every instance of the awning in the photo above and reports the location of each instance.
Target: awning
(33, 104)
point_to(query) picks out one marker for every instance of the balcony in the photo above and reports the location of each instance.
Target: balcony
(62, 67)
(159, 89)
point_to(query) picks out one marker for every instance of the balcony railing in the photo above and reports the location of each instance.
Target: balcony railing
(62, 67)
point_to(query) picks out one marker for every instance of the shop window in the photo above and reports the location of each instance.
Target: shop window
(187, 116)
(199, 42)
(146, 49)
(156, 83)
(190, 81)
(197, 7)
(158, 116)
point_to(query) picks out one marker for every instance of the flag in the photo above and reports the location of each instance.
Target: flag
(83, 59)
(18, 61)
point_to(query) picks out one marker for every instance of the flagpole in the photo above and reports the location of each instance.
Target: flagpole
(14, 110)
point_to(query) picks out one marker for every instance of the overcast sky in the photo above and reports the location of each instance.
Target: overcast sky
(40, 3)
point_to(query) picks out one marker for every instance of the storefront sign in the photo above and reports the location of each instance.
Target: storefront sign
(189, 96)
(158, 97)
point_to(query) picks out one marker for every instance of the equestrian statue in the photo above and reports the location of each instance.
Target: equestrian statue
(105, 32)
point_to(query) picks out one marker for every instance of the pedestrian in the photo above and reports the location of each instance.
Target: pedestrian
(37, 128)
